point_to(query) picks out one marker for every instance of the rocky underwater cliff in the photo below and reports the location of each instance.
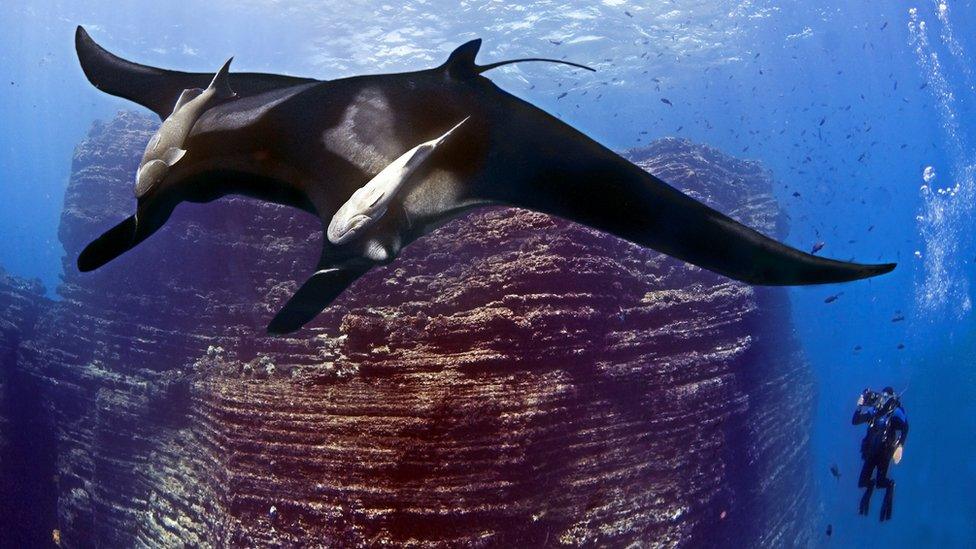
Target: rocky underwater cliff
(510, 380)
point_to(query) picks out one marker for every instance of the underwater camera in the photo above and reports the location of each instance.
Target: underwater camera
(881, 401)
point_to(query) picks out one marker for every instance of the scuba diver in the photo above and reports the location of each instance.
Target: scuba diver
(884, 441)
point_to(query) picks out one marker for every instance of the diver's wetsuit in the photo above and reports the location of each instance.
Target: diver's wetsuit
(884, 421)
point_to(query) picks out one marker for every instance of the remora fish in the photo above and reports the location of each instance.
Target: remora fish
(165, 148)
(370, 202)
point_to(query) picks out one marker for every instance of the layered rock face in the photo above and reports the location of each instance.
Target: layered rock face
(510, 380)
(27, 447)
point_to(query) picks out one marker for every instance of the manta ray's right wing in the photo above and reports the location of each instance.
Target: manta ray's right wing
(607, 192)
(562, 172)
(541, 163)
(158, 89)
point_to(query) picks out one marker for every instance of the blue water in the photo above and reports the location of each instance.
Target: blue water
(846, 103)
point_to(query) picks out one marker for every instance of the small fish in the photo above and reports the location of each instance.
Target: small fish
(901, 346)
(628, 14)
(817, 247)
(857, 348)
(564, 94)
(898, 318)
(835, 470)
(666, 101)
(830, 530)
(823, 120)
(796, 194)
(555, 42)
(833, 298)
(883, 27)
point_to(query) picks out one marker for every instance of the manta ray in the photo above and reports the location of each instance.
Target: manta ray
(455, 141)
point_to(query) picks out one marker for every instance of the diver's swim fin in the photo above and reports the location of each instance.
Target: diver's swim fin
(316, 294)
(113, 243)
(865, 505)
(888, 502)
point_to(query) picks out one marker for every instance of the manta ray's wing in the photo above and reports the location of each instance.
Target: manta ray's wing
(609, 193)
(689, 230)
(316, 294)
(158, 89)
(544, 164)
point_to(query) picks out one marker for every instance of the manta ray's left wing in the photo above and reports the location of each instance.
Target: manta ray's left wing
(158, 89)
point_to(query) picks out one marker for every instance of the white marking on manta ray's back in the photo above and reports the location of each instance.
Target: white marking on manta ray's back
(359, 145)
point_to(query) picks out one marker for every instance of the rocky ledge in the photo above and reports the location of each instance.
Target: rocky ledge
(511, 380)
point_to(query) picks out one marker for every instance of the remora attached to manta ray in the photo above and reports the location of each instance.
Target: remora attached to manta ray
(166, 147)
(311, 144)
(370, 202)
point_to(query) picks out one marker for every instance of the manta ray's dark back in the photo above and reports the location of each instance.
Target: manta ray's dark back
(158, 89)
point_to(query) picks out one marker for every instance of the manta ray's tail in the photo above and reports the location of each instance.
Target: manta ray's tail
(485, 68)
(461, 62)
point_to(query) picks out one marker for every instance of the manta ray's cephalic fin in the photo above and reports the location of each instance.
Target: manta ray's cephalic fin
(461, 63)
(113, 243)
(316, 294)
